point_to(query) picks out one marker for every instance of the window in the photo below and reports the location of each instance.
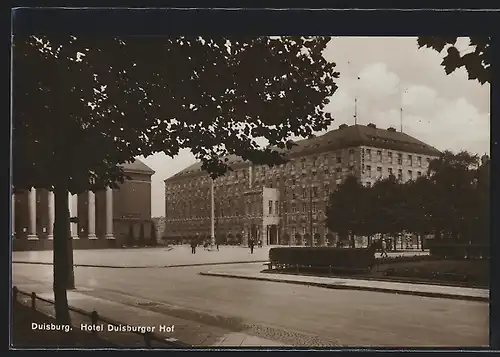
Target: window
(410, 160)
(270, 207)
(303, 164)
(419, 160)
(315, 230)
(315, 192)
(304, 193)
(294, 181)
(379, 155)
(339, 159)
(325, 159)
(304, 208)
(303, 230)
(314, 206)
(294, 196)
(314, 162)
(369, 170)
(294, 208)
(351, 154)
(369, 154)
(419, 173)
(410, 175)
(428, 160)
(400, 174)
(389, 154)
(400, 159)
(276, 208)
(379, 172)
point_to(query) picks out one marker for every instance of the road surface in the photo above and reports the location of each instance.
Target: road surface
(296, 315)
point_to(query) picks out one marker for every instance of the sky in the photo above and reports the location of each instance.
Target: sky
(386, 74)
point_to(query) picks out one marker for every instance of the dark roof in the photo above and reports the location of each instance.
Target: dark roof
(358, 135)
(345, 136)
(138, 166)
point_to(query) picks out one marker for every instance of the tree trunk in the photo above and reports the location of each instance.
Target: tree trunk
(63, 267)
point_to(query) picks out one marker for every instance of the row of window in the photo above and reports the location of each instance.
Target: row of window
(390, 171)
(391, 157)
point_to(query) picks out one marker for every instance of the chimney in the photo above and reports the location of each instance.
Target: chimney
(342, 126)
(371, 125)
(391, 129)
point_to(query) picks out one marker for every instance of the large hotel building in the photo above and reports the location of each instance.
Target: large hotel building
(286, 204)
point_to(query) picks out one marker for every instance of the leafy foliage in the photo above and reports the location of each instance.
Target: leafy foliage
(83, 107)
(452, 202)
(476, 62)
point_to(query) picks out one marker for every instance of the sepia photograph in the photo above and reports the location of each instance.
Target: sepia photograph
(212, 192)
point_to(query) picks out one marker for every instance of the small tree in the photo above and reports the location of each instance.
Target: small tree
(345, 209)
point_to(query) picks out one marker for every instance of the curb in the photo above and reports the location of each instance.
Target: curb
(383, 279)
(359, 288)
(145, 266)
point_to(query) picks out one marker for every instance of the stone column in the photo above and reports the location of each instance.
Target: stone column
(13, 215)
(73, 212)
(91, 214)
(51, 213)
(32, 234)
(109, 213)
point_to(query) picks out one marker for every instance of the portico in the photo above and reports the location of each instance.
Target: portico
(41, 215)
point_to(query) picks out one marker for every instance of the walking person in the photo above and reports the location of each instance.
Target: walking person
(217, 246)
(252, 244)
(193, 246)
(383, 250)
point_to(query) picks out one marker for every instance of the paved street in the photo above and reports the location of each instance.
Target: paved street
(162, 257)
(289, 314)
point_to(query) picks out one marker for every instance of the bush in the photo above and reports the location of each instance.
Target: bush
(402, 259)
(361, 259)
(447, 250)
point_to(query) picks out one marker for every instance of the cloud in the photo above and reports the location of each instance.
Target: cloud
(419, 98)
(376, 81)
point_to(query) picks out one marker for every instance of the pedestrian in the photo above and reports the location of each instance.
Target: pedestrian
(193, 246)
(384, 249)
(217, 246)
(252, 244)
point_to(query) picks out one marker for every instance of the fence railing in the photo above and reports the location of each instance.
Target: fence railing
(95, 318)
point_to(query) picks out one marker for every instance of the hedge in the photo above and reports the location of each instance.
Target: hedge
(360, 259)
(447, 250)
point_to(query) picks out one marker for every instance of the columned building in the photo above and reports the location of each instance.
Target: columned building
(286, 204)
(107, 218)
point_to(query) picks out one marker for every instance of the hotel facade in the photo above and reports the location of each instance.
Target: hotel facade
(286, 204)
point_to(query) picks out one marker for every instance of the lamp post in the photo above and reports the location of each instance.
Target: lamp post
(311, 216)
(212, 214)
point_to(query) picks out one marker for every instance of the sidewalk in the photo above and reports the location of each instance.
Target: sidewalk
(252, 272)
(185, 331)
(180, 256)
